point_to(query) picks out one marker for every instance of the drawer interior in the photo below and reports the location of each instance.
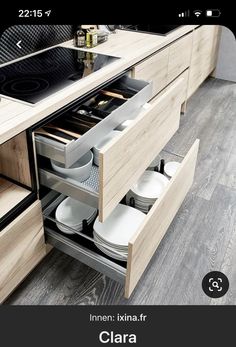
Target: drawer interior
(82, 245)
(119, 160)
(72, 133)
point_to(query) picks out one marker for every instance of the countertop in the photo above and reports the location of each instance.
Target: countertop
(130, 46)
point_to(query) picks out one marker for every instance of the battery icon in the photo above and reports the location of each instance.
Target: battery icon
(213, 13)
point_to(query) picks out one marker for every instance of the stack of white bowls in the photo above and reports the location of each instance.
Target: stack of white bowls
(71, 213)
(101, 144)
(145, 192)
(80, 170)
(113, 235)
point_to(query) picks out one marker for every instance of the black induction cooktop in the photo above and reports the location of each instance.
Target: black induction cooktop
(37, 77)
(152, 28)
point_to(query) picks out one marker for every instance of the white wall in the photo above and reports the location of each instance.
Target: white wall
(226, 65)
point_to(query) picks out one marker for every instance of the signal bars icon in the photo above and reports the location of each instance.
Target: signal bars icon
(185, 14)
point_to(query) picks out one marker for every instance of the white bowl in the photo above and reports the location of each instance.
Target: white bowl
(80, 170)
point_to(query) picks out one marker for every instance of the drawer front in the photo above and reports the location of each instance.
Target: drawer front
(154, 69)
(143, 245)
(21, 248)
(124, 159)
(179, 56)
(204, 54)
(183, 94)
(68, 154)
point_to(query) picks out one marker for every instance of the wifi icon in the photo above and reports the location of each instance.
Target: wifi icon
(197, 13)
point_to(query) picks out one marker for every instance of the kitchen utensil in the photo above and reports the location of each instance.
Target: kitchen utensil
(80, 170)
(171, 168)
(56, 137)
(68, 132)
(88, 122)
(114, 95)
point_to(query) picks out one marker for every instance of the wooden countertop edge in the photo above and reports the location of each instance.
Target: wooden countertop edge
(140, 43)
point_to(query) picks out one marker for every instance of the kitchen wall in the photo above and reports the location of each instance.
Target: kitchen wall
(33, 38)
(226, 64)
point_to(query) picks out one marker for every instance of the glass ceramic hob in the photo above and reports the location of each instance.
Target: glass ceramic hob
(37, 77)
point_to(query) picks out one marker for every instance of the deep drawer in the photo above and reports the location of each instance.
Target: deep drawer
(71, 152)
(147, 238)
(124, 159)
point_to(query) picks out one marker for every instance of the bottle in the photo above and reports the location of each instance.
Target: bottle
(79, 38)
(91, 38)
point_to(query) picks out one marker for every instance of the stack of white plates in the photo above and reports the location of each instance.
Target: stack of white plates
(71, 213)
(171, 167)
(98, 147)
(148, 188)
(112, 236)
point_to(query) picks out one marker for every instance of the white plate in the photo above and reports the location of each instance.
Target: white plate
(122, 257)
(171, 167)
(150, 185)
(120, 226)
(72, 212)
(105, 243)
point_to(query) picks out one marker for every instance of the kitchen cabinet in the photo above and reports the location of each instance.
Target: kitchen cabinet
(179, 56)
(119, 168)
(145, 241)
(154, 69)
(22, 246)
(161, 82)
(165, 65)
(17, 190)
(119, 164)
(204, 55)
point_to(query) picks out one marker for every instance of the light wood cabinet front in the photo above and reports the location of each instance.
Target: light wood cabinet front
(179, 56)
(145, 242)
(124, 159)
(204, 55)
(21, 248)
(153, 69)
(14, 159)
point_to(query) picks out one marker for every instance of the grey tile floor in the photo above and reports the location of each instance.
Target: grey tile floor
(201, 238)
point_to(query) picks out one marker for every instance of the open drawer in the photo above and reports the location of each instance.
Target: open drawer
(124, 159)
(109, 112)
(146, 239)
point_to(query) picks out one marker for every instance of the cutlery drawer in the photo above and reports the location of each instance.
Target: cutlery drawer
(144, 242)
(125, 158)
(68, 153)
